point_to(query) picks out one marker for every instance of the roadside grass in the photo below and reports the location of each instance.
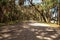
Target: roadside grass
(9, 23)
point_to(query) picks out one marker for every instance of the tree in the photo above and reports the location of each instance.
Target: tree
(21, 2)
(41, 12)
(3, 4)
(59, 13)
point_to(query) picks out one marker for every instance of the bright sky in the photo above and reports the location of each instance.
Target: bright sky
(37, 1)
(27, 2)
(34, 1)
(16, 1)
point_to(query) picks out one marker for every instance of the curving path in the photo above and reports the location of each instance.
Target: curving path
(23, 31)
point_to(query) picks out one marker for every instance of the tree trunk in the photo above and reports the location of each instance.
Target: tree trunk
(59, 15)
(38, 11)
(1, 14)
(21, 2)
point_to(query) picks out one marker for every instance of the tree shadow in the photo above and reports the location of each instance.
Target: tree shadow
(26, 32)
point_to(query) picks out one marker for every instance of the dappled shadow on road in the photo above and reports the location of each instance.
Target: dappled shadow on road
(26, 32)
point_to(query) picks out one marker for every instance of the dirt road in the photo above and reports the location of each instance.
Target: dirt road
(23, 31)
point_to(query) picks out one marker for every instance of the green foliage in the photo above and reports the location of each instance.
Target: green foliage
(3, 2)
(15, 14)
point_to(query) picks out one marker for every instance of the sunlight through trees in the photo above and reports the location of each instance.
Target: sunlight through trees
(11, 10)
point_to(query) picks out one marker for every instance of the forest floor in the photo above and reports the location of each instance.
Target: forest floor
(23, 31)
